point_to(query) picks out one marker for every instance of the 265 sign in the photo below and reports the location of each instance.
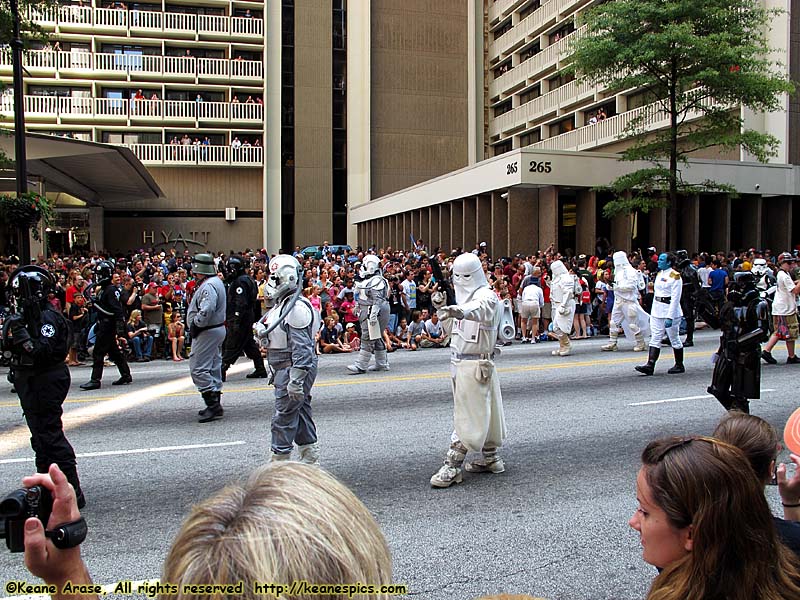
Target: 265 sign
(533, 167)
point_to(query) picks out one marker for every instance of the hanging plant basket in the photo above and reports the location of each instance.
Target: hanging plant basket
(26, 212)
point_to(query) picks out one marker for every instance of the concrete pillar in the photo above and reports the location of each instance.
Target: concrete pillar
(658, 227)
(586, 226)
(548, 217)
(405, 242)
(97, 228)
(777, 220)
(425, 225)
(483, 222)
(457, 224)
(523, 221)
(752, 209)
(499, 240)
(721, 225)
(470, 229)
(689, 225)
(361, 234)
(445, 238)
(434, 235)
(621, 232)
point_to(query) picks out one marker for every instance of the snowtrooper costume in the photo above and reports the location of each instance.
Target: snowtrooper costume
(627, 314)
(666, 315)
(562, 298)
(478, 406)
(373, 306)
(288, 331)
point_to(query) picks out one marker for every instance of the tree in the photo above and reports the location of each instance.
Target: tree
(699, 61)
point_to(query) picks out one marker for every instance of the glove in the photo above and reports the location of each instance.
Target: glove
(667, 323)
(563, 310)
(450, 312)
(295, 387)
(259, 330)
(438, 299)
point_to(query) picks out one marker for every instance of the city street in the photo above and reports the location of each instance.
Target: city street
(553, 525)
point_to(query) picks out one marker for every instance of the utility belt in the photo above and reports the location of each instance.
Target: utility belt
(664, 299)
(483, 356)
(199, 329)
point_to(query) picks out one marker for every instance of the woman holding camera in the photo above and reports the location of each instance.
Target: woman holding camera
(138, 337)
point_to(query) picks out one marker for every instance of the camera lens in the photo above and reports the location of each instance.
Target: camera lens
(14, 504)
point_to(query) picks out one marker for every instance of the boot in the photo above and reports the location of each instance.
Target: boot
(381, 361)
(678, 367)
(123, 380)
(213, 409)
(309, 453)
(490, 462)
(92, 384)
(362, 362)
(450, 472)
(741, 404)
(71, 473)
(567, 346)
(275, 457)
(611, 346)
(652, 357)
(639, 346)
(258, 374)
(223, 372)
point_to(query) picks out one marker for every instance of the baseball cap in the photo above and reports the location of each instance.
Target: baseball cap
(350, 326)
(786, 257)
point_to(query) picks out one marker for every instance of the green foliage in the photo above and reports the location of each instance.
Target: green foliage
(700, 62)
(26, 212)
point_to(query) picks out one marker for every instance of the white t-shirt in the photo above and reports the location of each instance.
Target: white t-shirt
(784, 303)
(533, 293)
(702, 275)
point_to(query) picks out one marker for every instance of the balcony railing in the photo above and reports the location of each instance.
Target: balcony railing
(528, 69)
(125, 109)
(530, 25)
(186, 67)
(611, 130)
(146, 21)
(178, 154)
(567, 94)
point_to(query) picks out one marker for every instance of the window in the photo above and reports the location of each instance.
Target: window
(500, 69)
(562, 126)
(530, 9)
(529, 52)
(62, 92)
(559, 80)
(502, 147)
(531, 137)
(130, 137)
(505, 27)
(530, 94)
(502, 108)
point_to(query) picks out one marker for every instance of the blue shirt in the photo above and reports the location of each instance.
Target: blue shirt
(717, 277)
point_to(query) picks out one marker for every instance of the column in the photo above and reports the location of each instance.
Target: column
(658, 227)
(523, 221)
(445, 238)
(721, 224)
(483, 221)
(434, 233)
(425, 225)
(777, 224)
(548, 217)
(621, 232)
(408, 223)
(271, 219)
(586, 226)
(470, 228)
(689, 225)
(97, 232)
(500, 224)
(393, 231)
(457, 224)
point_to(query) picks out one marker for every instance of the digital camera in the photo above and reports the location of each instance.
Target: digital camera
(19, 506)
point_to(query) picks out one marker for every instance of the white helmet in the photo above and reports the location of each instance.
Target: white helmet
(558, 269)
(284, 274)
(621, 259)
(759, 268)
(369, 266)
(468, 276)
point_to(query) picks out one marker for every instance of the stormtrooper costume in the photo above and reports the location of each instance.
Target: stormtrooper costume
(288, 331)
(562, 298)
(373, 306)
(765, 278)
(666, 315)
(472, 325)
(627, 315)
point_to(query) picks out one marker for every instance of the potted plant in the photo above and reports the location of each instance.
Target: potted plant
(26, 212)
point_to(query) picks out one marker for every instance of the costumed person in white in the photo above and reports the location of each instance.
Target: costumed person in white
(288, 331)
(627, 315)
(472, 324)
(373, 306)
(562, 298)
(666, 314)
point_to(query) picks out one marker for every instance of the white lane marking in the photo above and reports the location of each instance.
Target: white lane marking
(703, 397)
(19, 437)
(108, 588)
(7, 461)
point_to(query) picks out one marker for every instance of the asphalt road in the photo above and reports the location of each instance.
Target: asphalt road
(553, 525)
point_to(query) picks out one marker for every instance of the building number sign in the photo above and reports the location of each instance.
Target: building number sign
(533, 167)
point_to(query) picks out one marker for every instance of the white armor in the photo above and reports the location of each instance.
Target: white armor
(301, 316)
(373, 303)
(627, 314)
(479, 423)
(562, 298)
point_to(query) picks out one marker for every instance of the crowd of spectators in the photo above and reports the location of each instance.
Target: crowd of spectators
(155, 286)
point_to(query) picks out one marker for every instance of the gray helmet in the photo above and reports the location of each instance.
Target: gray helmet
(203, 264)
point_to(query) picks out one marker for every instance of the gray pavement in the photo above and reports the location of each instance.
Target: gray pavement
(553, 525)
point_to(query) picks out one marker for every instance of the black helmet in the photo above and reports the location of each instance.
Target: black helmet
(103, 272)
(681, 258)
(31, 284)
(235, 265)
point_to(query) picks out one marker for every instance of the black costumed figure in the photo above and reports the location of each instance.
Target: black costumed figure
(744, 322)
(691, 287)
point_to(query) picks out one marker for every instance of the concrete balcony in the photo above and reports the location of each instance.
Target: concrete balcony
(122, 111)
(530, 27)
(611, 130)
(247, 26)
(110, 20)
(501, 8)
(527, 72)
(524, 115)
(198, 155)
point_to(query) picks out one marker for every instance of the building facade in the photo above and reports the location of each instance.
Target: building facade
(524, 111)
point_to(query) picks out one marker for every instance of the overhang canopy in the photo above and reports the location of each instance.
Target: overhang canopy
(98, 174)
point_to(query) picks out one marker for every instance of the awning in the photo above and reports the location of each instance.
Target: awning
(99, 174)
